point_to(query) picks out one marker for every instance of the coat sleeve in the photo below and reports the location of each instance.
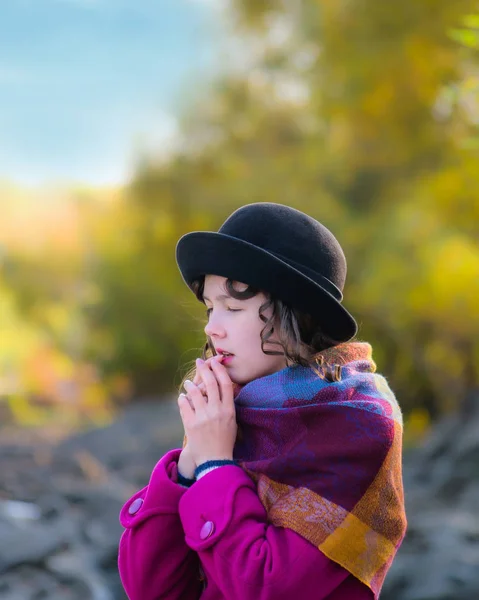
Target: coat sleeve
(154, 561)
(249, 558)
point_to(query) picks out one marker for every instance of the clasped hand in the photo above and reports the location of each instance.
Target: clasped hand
(208, 412)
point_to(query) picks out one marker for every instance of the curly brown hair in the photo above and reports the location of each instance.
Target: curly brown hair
(300, 335)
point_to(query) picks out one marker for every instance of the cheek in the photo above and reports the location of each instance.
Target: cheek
(249, 341)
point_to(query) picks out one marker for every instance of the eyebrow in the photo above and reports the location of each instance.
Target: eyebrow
(220, 297)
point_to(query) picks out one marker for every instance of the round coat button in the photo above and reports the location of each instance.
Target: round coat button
(135, 506)
(207, 530)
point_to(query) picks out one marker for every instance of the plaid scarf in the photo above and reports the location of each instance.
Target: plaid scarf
(324, 447)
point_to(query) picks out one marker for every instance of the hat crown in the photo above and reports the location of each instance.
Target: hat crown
(280, 250)
(294, 237)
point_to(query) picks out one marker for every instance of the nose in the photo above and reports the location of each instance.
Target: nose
(214, 328)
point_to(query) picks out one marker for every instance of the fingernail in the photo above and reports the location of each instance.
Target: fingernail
(187, 381)
(199, 362)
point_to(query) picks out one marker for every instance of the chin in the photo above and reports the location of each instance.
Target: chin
(247, 379)
(239, 379)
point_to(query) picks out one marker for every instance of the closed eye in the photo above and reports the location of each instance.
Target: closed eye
(208, 311)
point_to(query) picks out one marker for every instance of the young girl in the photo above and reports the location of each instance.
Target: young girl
(289, 481)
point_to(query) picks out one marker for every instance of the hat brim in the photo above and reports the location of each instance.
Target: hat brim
(209, 253)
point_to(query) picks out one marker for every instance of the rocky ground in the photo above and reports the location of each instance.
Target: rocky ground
(59, 507)
(439, 558)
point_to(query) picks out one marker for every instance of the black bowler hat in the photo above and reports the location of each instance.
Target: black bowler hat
(279, 250)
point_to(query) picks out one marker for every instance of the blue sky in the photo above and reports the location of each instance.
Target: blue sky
(85, 83)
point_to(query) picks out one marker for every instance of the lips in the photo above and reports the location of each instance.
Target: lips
(225, 352)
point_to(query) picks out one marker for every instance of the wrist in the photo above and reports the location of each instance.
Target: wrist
(186, 468)
(201, 461)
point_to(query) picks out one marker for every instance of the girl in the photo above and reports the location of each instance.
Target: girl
(289, 481)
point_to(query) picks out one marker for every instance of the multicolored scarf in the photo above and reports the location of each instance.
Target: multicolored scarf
(326, 455)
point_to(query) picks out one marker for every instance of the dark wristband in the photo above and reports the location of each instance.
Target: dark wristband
(212, 463)
(184, 480)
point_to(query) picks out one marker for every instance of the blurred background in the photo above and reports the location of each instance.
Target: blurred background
(124, 125)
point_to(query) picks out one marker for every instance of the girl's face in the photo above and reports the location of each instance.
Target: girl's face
(234, 326)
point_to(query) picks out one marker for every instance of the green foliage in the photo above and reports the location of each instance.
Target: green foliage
(469, 34)
(463, 94)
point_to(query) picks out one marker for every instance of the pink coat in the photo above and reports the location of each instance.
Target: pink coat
(213, 541)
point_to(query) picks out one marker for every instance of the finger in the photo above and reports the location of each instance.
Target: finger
(209, 379)
(186, 409)
(188, 399)
(197, 398)
(190, 402)
(201, 386)
(224, 382)
(197, 378)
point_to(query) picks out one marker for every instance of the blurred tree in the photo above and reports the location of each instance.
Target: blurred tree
(464, 93)
(339, 109)
(334, 109)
